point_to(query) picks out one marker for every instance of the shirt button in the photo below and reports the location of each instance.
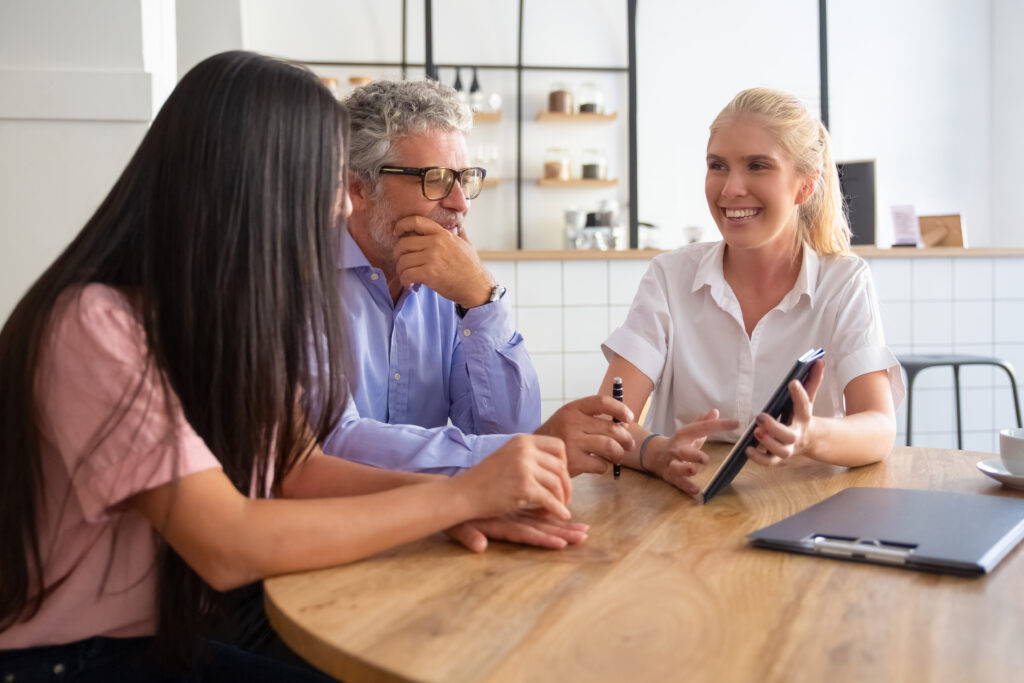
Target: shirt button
(398, 376)
(375, 276)
(466, 333)
(58, 669)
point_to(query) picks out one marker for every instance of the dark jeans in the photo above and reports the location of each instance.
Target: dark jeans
(242, 648)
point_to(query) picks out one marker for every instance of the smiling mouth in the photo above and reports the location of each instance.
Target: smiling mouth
(740, 214)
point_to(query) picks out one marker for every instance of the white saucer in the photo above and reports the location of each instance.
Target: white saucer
(994, 468)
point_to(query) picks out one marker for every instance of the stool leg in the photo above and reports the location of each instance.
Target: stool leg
(910, 403)
(956, 406)
(1013, 386)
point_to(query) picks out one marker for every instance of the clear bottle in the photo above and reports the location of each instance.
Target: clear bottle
(591, 99)
(560, 99)
(594, 166)
(556, 164)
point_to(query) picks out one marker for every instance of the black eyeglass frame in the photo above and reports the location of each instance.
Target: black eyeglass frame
(456, 175)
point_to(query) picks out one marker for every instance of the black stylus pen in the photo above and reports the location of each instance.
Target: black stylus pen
(617, 395)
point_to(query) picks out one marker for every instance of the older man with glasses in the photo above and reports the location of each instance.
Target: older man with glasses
(441, 376)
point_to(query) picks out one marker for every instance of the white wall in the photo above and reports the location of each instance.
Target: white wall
(75, 100)
(911, 87)
(692, 58)
(1007, 142)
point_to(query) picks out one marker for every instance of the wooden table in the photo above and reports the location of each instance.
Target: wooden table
(664, 590)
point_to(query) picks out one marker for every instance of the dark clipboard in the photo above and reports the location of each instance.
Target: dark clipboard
(937, 531)
(779, 406)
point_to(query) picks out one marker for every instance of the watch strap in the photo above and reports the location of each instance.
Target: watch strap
(497, 291)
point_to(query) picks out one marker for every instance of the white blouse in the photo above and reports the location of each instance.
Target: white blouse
(685, 332)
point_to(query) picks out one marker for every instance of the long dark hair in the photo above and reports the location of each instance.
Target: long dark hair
(222, 227)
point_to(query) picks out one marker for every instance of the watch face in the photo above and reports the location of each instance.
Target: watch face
(496, 293)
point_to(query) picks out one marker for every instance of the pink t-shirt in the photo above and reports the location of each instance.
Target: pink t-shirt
(98, 551)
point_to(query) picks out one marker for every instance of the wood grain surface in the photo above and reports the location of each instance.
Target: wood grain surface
(664, 590)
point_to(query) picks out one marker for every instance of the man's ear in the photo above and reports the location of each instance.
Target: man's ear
(358, 193)
(807, 188)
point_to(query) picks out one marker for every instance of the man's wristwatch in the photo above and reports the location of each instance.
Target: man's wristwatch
(496, 293)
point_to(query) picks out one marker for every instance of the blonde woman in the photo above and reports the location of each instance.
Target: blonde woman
(714, 326)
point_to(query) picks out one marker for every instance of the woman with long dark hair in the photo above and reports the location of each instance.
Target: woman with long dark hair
(152, 449)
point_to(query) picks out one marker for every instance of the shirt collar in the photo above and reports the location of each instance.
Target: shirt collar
(711, 273)
(351, 255)
(807, 280)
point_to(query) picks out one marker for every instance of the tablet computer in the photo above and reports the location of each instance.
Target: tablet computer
(779, 406)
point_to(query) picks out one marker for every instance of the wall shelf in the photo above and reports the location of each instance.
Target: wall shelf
(577, 182)
(519, 67)
(559, 117)
(487, 116)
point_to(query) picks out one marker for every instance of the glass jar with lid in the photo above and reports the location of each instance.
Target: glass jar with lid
(560, 99)
(556, 164)
(591, 99)
(594, 166)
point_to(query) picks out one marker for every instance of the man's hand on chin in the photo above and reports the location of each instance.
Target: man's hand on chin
(442, 259)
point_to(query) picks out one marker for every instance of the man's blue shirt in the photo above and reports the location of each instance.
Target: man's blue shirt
(417, 365)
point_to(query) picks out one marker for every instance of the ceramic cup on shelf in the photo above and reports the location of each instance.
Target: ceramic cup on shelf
(1011, 450)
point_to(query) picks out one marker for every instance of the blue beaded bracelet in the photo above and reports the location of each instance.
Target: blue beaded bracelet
(643, 445)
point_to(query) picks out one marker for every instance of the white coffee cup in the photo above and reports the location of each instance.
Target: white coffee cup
(1011, 449)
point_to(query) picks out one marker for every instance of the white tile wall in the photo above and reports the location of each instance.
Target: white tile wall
(585, 327)
(974, 323)
(1009, 317)
(539, 283)
(549, 372)
(541, 328)
(972, 279)
(586, 283)
(583, 373)
(928, 305)
(932, 279)
(1009, 278)
(932, 324)
(624, 279)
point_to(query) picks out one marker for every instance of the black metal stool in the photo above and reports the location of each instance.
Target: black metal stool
(914, 364)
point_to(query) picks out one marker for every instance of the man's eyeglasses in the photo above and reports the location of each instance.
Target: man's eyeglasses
(438, 181)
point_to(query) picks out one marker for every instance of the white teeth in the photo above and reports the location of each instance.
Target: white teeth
(741, 213)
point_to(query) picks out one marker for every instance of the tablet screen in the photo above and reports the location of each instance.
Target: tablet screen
(779, 406)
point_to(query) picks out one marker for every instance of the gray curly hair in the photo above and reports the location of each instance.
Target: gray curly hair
(383, 112)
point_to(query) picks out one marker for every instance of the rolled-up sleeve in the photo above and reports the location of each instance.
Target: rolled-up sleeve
(644, 338)
(860, 340)
(494, 386)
